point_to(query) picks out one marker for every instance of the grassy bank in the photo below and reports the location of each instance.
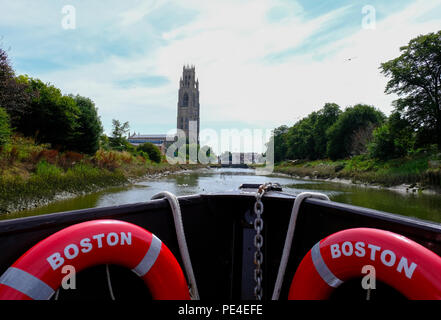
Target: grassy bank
(421, 169)
(32, 175)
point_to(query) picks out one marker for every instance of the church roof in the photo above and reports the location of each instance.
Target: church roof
(148, 136)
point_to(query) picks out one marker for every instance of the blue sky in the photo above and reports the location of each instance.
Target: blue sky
(261, 63)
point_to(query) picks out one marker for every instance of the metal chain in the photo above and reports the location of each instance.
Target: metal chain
(258, 240)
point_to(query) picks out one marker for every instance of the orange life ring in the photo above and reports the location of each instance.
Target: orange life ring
(38, 273)
(405, 265)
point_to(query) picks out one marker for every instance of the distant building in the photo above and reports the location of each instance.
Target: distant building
(241, 158)
(188, 110)
(158, 140)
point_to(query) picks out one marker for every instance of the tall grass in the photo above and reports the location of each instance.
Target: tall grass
(32, 174)
(410, 170)
(49, 180)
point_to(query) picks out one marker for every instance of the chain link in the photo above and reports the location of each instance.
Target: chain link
(258, 239)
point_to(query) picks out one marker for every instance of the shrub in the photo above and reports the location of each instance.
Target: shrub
(50, 156)
(70, 158)
(153, 151)
(106, 159)
(46, 170)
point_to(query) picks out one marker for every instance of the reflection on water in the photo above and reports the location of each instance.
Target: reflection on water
(426, 207)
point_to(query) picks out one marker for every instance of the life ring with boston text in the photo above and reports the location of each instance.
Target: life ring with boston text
(401, 263)
(37, 274)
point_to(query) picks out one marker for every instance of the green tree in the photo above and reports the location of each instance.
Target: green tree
(382, 146)
(325, 118)
(306, 139)
(153, 151)
(280, 143)
(300, 138)
(15, 97)
(118, 140)
(104, 142)
(5, 129)
(416, 77)
(341, 133)
(393, 139)
(52, 117)
(89, 128)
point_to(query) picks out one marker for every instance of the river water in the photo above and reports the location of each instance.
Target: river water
(423, 206)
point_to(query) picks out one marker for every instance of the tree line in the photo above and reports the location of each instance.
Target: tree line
(39, 110)
(415, 123)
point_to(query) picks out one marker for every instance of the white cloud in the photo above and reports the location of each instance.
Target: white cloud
(237, 84)
(138, 12)
(228, 42)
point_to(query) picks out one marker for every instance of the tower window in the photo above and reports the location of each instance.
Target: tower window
(185, 100)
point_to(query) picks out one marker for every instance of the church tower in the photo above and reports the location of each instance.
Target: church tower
(188, 103)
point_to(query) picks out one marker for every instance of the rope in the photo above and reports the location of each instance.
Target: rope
(109, 283)
(289, 236)
(177, 216)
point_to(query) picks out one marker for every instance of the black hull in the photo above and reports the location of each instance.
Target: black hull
(220, 239)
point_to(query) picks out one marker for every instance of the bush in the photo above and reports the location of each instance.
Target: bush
(106, 160)
(46, 170)
(153, 151)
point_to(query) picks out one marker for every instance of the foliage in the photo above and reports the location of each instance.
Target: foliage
(52, 117)
(382, 146)
(151, 150)
(118, 140)
(41, 111)
(361, 139)
(392, 140)
(341, 133)
(89, 129)
(363, 169)
(324, 119)
(5, 129)
(14, 94)
(416, 78)
(307, 138)
(104, 142)
(280, 143)
(47, 170)
(300, 139)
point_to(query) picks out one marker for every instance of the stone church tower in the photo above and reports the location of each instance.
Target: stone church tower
(188, 104)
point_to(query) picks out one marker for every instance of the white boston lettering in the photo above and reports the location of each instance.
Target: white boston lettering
(361, 249)
(335, 251)
(347, 249)
(86, 245)
(71, 251)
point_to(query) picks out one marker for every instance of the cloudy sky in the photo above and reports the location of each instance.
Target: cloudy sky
(260, 63)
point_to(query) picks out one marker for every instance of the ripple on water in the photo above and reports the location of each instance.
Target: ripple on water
(424, 206)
